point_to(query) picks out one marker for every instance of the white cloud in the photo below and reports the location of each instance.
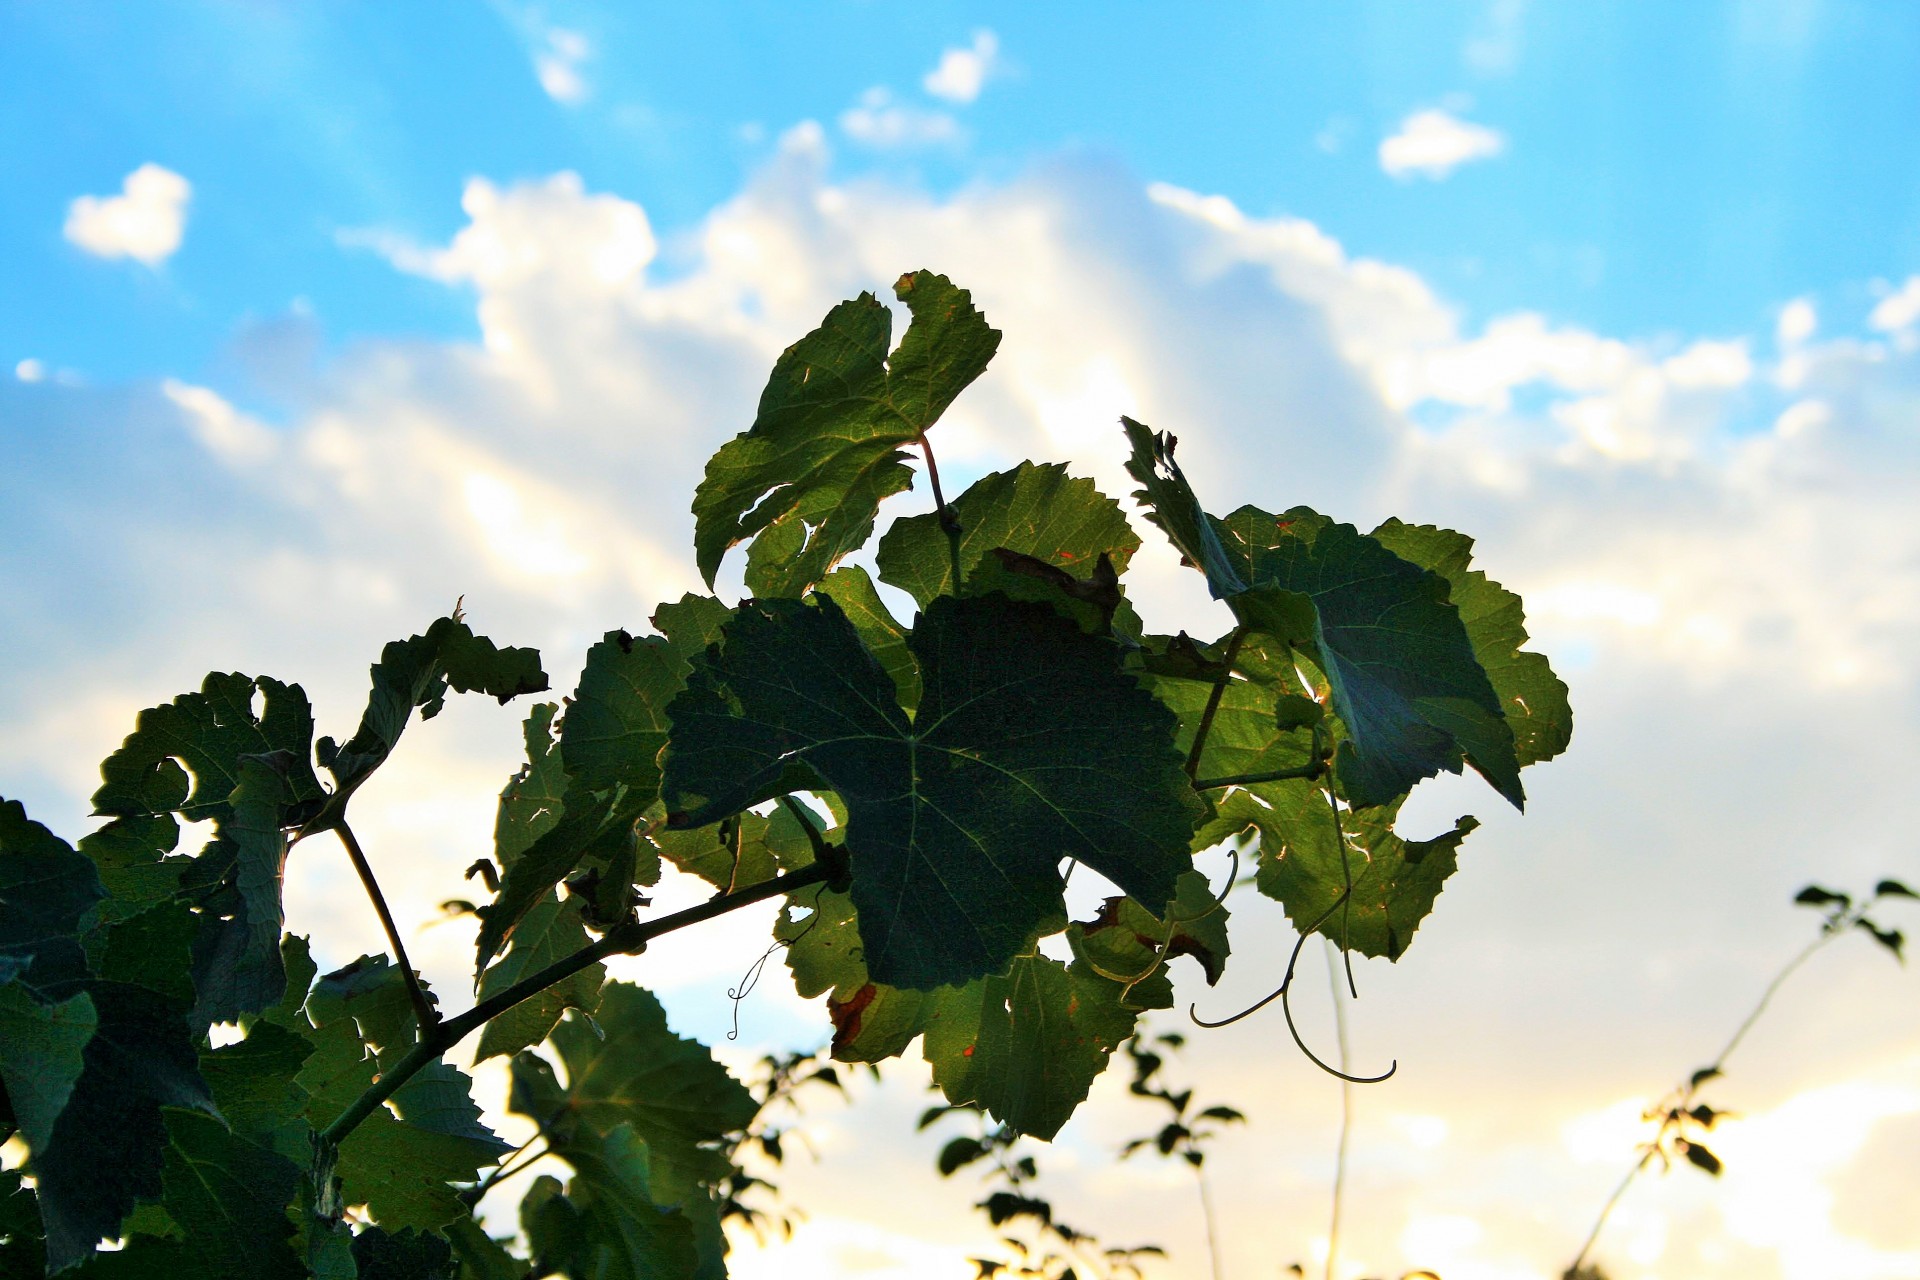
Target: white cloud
(1703, 577)
(30, 370)
(879, 120)
(1432, 144)
(1899, 309)
(962, 73)
(1798, 321)
(144, 222)
(558, 65)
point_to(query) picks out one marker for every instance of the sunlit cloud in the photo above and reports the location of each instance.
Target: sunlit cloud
(145, 222)
(961, 73)
(1432, 144)
(880, 120)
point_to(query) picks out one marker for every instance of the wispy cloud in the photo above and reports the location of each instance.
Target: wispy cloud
(1900, 309)
(963, 72)
(558, 65)
(146, 221)
(1494, 47)
(880, 120)
(1432, 144)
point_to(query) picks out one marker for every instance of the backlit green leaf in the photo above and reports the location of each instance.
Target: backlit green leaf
(1533, 699)
(1026, 1045)
(826, 446)
(607, 1225)
(627, 1067)
(1035, 509)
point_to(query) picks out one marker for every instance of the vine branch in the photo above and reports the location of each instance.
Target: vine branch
(627, 939)
(949, 523)
(1213, 704)
(422, 1007)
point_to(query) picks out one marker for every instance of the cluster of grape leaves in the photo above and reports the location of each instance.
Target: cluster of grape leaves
(169, 1055)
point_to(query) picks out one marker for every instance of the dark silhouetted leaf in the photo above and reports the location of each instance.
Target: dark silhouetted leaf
(953, 807)
(108, 1144)
(1814, 896)
(415, 674)
(46, 889)
(209, 732)
(406, 1255)
(1701, 1158)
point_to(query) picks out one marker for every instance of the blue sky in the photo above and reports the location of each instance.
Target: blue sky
(1667, 168)
(322, 316)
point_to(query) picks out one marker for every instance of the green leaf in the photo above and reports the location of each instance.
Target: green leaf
(400, 1161)
(533, 799)
(40, 1056)
(614, 729)
(209, 732)
(854, 592)
(1169, 502)
(1532, 697)
(415, 674)
(607, 1225)
(1893, 889)
(1249, 734)
(46, 888)
(108, 1144)
(951, 810)
(230, 1198)
(806, 480)
(551, 931)
(131, 857)
(1028, 1045)
(746, 849)
(1815, 896)
(1395, 881)
(871, 1023)
(403, 1255)
(1125, 937)
(1036, 510)
(616, 722)
(253, 1080)
(236, 962)
(481, 1256)
(633, 1070)
(691, 623)
(22, 1252)
(1405, 680)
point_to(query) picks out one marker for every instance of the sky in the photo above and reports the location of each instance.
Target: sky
(322, 317)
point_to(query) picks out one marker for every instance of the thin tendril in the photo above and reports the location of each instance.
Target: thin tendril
(1346, 895)
(751, 978)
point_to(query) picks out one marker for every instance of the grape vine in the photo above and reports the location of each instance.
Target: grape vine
(912, 792)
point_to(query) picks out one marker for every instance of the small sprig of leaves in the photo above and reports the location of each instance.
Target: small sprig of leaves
(1188, 1129)
(1043, 1246)
(1682, 1121)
